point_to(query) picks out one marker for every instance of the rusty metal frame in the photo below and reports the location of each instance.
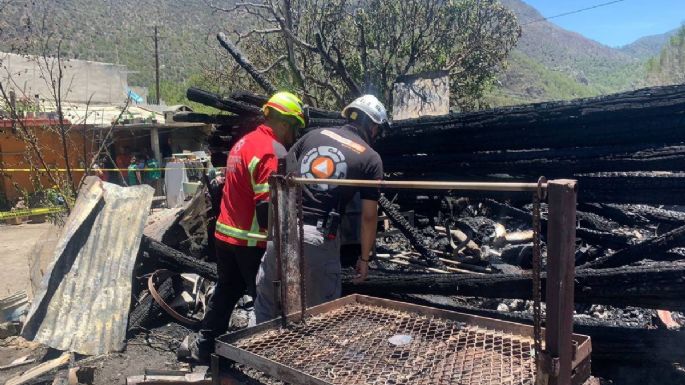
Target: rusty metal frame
(288, 238)
(565, 359)
(225, 345)
(561, 248)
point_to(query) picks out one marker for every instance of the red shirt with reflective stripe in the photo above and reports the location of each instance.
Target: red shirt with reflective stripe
(250, 163)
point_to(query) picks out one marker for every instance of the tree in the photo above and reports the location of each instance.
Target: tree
(669, 66)
(50, 66)
(333, 50)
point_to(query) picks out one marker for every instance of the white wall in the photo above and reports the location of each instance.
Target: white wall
(106, 83)
(421, 95)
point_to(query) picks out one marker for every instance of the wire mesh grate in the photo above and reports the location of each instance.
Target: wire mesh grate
(367, 344)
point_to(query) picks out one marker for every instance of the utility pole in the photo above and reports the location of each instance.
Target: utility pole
(154, 131)
(156, 38)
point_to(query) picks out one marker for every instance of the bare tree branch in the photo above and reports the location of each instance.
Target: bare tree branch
(278, 61)
(107, 136)
(330, 87)
(236, 6)
(30, 138)
(338, 66)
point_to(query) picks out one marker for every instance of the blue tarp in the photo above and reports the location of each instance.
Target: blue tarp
(134, 96)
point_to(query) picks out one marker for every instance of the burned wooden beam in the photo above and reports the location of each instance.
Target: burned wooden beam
(316, 114)
(655, 287)
(654, 214)
(633, 187)
(651, 247)
(551, 162)
(617, 213)
(147, 310)
(640, 187)
(409, 232)
(225, 104)
(220, 120)
(650, 115)
(244, 62)
(161, 256)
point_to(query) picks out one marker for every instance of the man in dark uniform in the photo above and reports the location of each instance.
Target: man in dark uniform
(331, 153)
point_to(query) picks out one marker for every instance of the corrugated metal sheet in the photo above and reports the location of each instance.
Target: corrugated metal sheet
(84, 299)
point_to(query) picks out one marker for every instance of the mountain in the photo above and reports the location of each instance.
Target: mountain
(550, 62)
(669, 66)
(648, 46)
(121, 31)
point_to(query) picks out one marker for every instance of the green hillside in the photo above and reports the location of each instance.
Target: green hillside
(649, 46)
(120, 31)
(527, 80)
(549, 63)
(669, 66)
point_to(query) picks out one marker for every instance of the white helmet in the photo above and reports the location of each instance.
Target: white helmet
(369, 105)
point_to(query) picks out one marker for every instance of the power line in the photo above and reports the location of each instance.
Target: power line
(574, 12)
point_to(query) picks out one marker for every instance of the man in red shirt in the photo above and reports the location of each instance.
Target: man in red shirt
(240, 240)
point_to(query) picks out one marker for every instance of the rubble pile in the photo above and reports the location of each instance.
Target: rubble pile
(627, 152)
(466, 251)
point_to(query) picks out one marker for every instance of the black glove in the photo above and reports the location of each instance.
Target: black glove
(262, 213)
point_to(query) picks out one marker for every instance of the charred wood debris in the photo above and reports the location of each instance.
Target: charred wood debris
(472, 252)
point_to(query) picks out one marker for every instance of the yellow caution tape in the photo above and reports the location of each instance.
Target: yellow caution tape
(30, 212)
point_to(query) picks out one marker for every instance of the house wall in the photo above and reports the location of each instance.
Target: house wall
(83, 81)
(13, 153)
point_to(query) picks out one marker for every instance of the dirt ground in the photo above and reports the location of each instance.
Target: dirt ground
(155, 351)
(17, 244)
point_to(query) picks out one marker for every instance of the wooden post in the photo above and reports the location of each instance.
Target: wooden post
(154, 143)
(561, 247)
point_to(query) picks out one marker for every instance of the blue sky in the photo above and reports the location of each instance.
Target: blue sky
(616, 24)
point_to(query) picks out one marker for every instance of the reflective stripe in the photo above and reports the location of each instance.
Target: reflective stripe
(284, 110)
(254, 229)
(257, 188)
(252, 165)
(251, 236)
(261, 188)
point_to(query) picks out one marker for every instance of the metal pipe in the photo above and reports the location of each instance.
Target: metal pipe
(414, 184)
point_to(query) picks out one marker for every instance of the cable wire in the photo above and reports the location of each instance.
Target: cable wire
(574, 12)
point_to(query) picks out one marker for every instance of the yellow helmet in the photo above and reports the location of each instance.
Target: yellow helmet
(286, 104)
